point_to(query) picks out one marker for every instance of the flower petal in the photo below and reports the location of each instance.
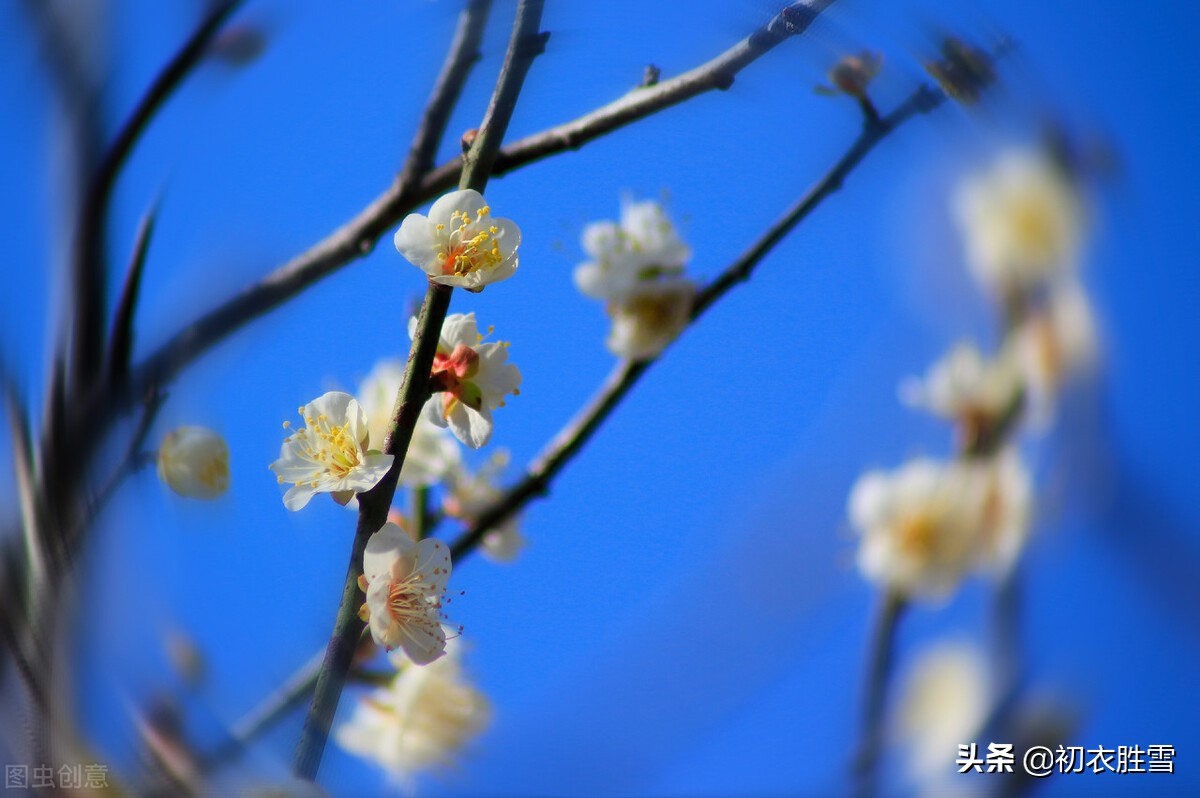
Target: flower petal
(419, 242)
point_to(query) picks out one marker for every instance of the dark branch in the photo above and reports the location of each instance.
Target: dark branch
(121, 340)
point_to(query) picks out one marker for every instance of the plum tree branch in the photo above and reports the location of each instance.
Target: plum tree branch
(358, 236)
(525, 44)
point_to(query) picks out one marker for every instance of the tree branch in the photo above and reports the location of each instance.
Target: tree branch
(121, 339)
(525, 44)
(88, 260)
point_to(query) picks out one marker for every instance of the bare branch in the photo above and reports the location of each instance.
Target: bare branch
(88, 260)
(462, 56)
(121, 339)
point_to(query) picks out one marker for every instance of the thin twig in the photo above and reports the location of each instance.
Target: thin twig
(460, 58)
(524, 45)
(121, 339)
(878, 675)
(88, 260)
(358, 236)
(572, 438)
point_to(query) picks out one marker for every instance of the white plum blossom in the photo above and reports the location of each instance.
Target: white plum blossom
(194, 462)
(643, 246)
(649, 318)
(471, 494)
(1054, 343)
(1007, 511)
(1022, 220)
(460, 243)
(432, 453)
(471, 379)
(421, 719)
(928, 524)
(920, 525)
(966, 387)
(404, 582)
(637, 270)
(330, 454)
(943, 701)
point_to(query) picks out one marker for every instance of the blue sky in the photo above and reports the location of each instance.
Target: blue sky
(686, 619)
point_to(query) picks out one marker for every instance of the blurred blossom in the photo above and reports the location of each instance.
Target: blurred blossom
(852, 73)
(330, 454)
(943, 702)
(649, 318)
(1007, 511)
(1022, 220)
(404, 582)
(471, 379)
(194, 462)
(460, 243)
(636, 268)
(929, 523)
(472, 494)
(422, 719)
(965, 386)
(1055, 342)
(432, 453)
(963, 71)
(642, 247)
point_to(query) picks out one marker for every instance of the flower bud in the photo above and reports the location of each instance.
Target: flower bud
(194, 462)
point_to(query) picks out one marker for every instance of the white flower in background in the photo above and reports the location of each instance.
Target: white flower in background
(643, 246)
(943, 701)
(472, 379)
(1054, 343)
(966, 386)
(421, 719)
(404, 582)
(194, 462)
(920, 525)
(432, 453)
(471, 494)
(330, 454)
(1007, 511)
(1022, 220)
(460, 243)
(649, 318)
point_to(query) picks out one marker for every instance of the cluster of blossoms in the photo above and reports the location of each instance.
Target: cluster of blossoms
(419, 720)
(929, 523)
(637, 270)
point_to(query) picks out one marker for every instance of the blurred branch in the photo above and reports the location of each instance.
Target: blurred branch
(526, 43)
(88, 260)
(879, 667)
(121, 339)
(358, 236)
(571, 439)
